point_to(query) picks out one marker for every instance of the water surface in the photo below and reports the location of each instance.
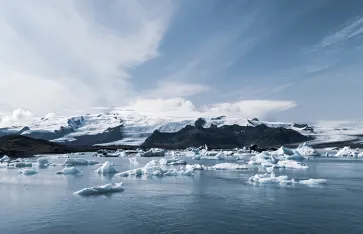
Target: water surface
(209, 202)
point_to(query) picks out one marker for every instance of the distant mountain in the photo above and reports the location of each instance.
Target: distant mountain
(126, 127)
(224, 137)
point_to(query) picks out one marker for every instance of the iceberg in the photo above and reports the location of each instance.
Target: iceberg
(292, 164)
(43, 162)
(152, 168)
(68, 171)
(106, 168)
(79, 162)
(228, 166)
(172, 161)
(195, 167)
(284, 151)
(29, 171)
(271, 179)
(99, 190)
(153, 153)
(5, 158)
(313, 181)
(347, 152)
(306, 150)
(20, 164)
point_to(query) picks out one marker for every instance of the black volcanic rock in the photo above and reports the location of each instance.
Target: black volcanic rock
(227, 136)
(109, 135)
(200, 122)
(22, 146)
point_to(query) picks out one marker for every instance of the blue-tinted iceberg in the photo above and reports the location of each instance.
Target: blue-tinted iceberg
(99, 190)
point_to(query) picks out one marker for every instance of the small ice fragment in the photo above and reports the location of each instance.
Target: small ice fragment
(103, 189)
(106, 168)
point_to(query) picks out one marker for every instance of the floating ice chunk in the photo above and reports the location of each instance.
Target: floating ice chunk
(270, 179)
(292, 164)
(195, 167)
(106, 168)
(29, 171)
(104, 189)
(5, 158)
(153, 153)
(313, 181)
(347, 152)
(284, 151)
(21, 164)
(79, 162)
(306, 150)
(228, 166)
(133, 161)
(43, 162)
(177, 162)
(157, 173)
(68, 171)
(172, 161)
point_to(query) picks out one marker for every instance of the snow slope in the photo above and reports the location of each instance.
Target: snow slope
(137, 127)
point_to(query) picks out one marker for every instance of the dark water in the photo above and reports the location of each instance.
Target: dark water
(209, 202)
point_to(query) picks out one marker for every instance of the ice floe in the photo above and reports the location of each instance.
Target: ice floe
(306, 150)
(68, 171)
(29, 171)
(155, 152)
(154, 169)
(349, 152)
(228, 166)
(99, 190)
(313, 181)
(106, 168)
(5, 158)
(79, 162)
(271, 178)
(292, 164)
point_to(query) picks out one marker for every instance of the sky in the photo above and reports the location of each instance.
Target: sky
(286, 60)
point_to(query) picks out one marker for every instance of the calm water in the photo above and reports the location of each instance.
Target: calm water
(209, 202)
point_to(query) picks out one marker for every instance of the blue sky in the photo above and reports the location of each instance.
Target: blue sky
(278, 59)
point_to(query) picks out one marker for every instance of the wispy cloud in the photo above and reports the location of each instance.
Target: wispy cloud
(76, 53)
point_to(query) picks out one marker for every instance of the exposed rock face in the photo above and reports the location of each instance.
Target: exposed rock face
(22, 146)
(109, 135)
(228, 136)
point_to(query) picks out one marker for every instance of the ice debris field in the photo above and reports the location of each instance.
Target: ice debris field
(270, 165)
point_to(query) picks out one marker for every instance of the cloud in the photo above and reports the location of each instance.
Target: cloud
(249, 108)
(17, 116)
(179, 107)
(169, 89)
(72, 53)
(164, 107)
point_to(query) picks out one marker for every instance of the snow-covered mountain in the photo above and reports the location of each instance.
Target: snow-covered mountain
(127, 127)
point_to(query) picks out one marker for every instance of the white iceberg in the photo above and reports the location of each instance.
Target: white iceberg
(106, 168)
(152, 168)
(292, 164)
(43, 162)
(155, 152)
(5, 158)
(271, 179)
(79, 162)
(313, 181)
(68, 171)
(347, 152)
(103, 189)
(306, 150)
(20, 164)
(228, 166)
(29, 171)
(195, 167)
(284, 151)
